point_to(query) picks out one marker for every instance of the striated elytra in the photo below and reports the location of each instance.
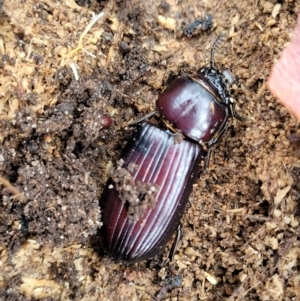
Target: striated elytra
(146, 196)
(172, 166)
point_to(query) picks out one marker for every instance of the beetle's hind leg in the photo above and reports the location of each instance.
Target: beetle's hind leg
(174, 246)
(175, 242)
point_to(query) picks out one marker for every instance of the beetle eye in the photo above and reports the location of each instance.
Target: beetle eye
(228, 75)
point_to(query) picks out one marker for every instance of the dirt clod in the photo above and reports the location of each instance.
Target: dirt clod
(140, 196)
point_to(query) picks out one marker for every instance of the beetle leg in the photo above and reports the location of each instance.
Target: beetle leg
(219, 135)
(235, 114)
(148, 116)
(206, 160)
(175, 243)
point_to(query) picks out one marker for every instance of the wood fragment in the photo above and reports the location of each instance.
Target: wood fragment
(100, 18)
(17, 194)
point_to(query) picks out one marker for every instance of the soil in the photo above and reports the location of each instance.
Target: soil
(64, 79)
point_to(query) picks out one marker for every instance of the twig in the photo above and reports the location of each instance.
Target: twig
(117, 38)
(17, 194)
(101, 18)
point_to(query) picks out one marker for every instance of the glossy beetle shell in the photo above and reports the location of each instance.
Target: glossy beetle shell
(198, 108)
(192, 109)
(167, 163)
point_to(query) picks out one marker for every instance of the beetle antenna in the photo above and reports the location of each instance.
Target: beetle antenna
(214, 47)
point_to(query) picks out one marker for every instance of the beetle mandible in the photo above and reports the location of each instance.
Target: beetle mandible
(146, 196)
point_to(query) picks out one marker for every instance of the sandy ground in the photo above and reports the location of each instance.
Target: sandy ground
(64, 68)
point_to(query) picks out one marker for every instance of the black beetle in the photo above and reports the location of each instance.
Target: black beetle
(146, 196)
